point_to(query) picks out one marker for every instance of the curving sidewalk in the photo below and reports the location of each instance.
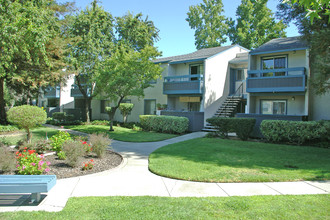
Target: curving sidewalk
(132, 178)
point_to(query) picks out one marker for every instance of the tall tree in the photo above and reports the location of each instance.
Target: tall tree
(317, 34)
(255, 24)
(92, 35)
(129, 69)
(209, 23)
(26, 27)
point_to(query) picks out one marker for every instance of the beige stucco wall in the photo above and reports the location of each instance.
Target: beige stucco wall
(66, 101)
(294, 107)
(295, 59)
(217, 78)
(320, 107)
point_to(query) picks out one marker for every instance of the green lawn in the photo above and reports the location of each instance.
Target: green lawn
(123, 134)
(37, 134)
(255, 207)
(219, 160)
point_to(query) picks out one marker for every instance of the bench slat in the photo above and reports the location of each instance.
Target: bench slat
(26, 183)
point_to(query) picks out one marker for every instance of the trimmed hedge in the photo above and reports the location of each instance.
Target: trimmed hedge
(296, 132)
(164, 124)
(8, 128)
(241, 126)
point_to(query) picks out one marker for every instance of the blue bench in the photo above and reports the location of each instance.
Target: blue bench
(34, 184)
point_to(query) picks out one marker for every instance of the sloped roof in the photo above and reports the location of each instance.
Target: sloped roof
(281, 44)
(240, 58)
(198, 55)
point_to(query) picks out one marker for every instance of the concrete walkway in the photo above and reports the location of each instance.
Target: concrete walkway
(132, 178)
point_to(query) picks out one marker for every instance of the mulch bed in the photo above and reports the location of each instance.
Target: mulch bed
(62, 170)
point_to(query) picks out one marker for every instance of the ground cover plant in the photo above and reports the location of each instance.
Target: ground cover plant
(223, 160)
(122, 134)
(252, 207)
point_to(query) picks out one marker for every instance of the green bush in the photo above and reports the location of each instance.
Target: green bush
(39, 147)
(296, 132)
(222, 125)
(125, 110)
(73, 151)
(61, 155)
(100, 122)
(164, 124)
(59, 116)
(57, 140)
(8, 128)
(241, 126)
(27, 117)
(100, 143)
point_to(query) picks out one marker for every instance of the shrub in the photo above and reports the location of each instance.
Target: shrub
(297, 132)
(59, 116)
(30, 163)
(7, 160)
(241, 126)
(57, 140)
(125, 110)
(73, 151)
(61, 155)
(100, 143)
(165, 124)
(5, 141)
(39, 146)
(100, 122)
(27, 117)
(8, 128)
(89, 165)
(223, 125)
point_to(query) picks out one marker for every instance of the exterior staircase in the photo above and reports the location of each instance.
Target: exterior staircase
(228, 108)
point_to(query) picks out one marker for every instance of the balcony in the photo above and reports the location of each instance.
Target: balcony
(187, 84)
(276, 80)
(75, 92)
(52, 92)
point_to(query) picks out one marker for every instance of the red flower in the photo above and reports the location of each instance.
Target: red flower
(25, 148)
(84, 142)
(86, 165)
(92, 160)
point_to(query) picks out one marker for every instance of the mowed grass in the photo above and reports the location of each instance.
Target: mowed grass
(39, 133)
(254, 207)
(123, 134)
(219, 160)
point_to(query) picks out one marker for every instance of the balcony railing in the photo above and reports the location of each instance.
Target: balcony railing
(276, 80)
(187, 84)
(52, 92)
(75, 92)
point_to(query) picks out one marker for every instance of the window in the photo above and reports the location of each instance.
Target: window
(150, 106)
(104, 103)
(196, 69)
(271, 63)
(273, 107)
(53, 102)
(239, 75)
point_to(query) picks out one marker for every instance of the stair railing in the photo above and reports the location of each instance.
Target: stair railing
(239, 92)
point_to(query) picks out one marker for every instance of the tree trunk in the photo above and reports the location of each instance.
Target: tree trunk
(3, 117)
(111, 116)
(28, 136)
(125, 118)
(88, 102)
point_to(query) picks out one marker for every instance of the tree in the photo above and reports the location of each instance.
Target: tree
(91, 36)
(317, 34)
(125, 110)
(26, 28)
(313, 8)
(127, 73)
(255, 24)
(27, 117)
(209, 23)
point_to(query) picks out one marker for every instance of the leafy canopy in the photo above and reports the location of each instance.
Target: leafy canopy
(209, 23)
(255, 24)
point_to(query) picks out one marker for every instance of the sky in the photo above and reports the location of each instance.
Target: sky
(176, 37)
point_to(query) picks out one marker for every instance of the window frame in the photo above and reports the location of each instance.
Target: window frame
(273, 74)
(274, 100)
